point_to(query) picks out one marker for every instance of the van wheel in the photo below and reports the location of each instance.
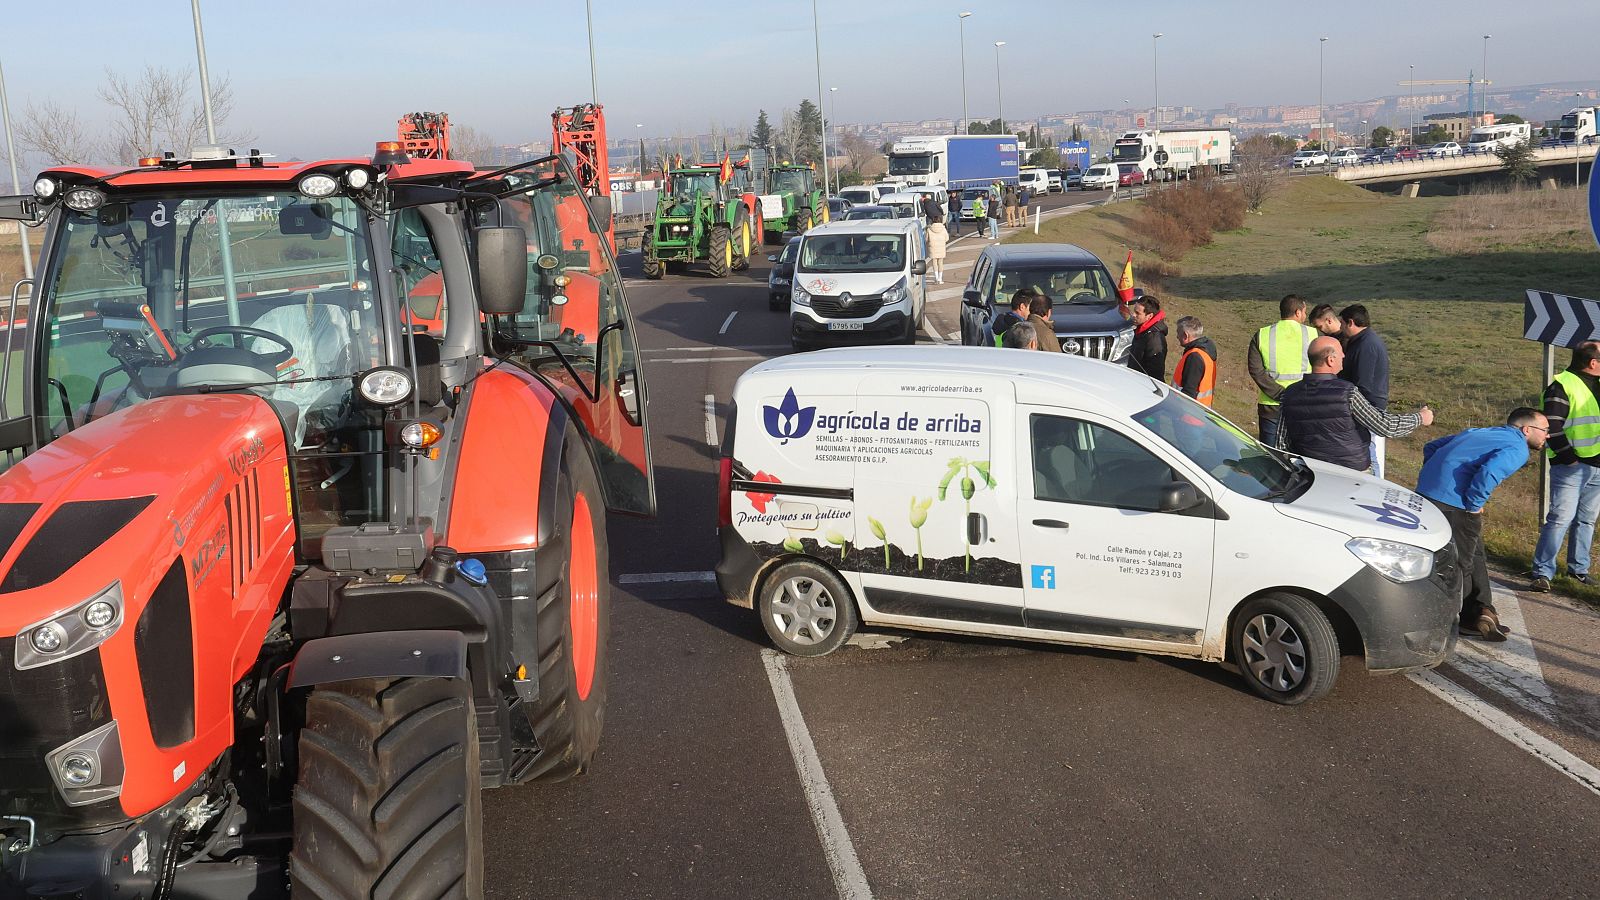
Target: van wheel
(806, 609)
(1286, 649)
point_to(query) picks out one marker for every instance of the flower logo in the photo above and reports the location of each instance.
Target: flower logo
(760, 500)
(789, 420)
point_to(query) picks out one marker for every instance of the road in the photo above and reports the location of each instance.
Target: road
(920, 766)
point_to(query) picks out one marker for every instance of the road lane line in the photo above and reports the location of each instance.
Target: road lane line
(849, 879)
(708, 359)
(1512, 668)
(717, 349)
(1541, 748)
(666, 577)
(726, 322)
(711, 421)
(933, 332)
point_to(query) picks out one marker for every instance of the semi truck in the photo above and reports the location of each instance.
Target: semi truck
(1578, 125)
(1174, 152)
(954, 160)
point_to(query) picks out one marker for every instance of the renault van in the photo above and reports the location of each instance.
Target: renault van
(1057, 498)
(860, 281)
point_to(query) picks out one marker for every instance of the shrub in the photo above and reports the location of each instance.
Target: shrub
(1177, 219)
(1153, 273)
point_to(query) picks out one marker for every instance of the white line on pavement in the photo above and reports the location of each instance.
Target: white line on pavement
(666, 577)
(726, 322)
(849, 879)
(954, 335)
(933, 332)
(711, 421)
(1512, 668)
(716, 349)
(1542, 749)
(708, 359)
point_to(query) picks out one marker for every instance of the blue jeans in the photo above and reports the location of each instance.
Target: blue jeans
(994, 229)
(1267, 428)
(1574, 503)
(954, 224)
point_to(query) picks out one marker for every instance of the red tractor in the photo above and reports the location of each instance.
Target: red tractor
(285, 581)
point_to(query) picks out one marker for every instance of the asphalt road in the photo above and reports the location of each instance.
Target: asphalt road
(961, 767)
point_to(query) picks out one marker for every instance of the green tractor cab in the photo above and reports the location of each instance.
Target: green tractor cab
(793, 202)
(699, 217)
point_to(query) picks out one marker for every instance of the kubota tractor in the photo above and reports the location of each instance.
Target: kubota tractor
(700, 215)
(793, 201)
(284, 581)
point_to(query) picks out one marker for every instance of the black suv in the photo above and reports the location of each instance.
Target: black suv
(1089, 320)
(782, 275)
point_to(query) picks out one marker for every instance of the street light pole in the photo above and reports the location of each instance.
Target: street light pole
(833, 113)
(1411, 130)
(1484, 101)
(1322, 130)
(1155, 68)
(594, 83)
(205, 79)
(230, 290)
(963, 25)
(16, 185)
(1577, 159)
(999, 95)
(816, 36)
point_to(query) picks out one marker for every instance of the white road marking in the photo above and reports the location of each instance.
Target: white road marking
(1511, 668)
(1542, 749)
(726, 322)
(711, 421)
(667, 577)
(933, 332)
(849, 879)
(716, 349)
(708, 359)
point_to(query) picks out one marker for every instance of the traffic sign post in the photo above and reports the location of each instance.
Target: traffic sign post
(1559, 320)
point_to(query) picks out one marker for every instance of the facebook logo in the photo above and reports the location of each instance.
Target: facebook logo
(1044, 577)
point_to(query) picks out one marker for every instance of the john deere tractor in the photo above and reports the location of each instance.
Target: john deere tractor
(803, 204)
(699, 217)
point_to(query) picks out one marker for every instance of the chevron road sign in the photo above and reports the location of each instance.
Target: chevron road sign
(1560, 320)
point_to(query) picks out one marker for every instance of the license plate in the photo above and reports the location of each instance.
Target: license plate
(844, 326)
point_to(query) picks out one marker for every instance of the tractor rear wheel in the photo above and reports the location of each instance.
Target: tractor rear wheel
(721, 251)
(574, 620)
(805, 219)
(388, 802)
(653, 267)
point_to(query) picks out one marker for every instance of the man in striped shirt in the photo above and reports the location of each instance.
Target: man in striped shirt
(1327, 418)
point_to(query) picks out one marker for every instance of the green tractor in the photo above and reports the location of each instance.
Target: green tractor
(803, 202)
(699, 216)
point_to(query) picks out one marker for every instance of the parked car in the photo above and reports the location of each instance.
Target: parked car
(870, 211)
(1085, 310)
(1100, 177)
(1072, 178)
(1444, 149)
(1033, 178)
(1129, 175)
(837, 207)
(781, 277)
(968, 197)
(1347, 156)
(1305, 159)
(1057, 184)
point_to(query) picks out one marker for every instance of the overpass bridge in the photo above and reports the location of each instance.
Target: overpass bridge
(1548, 159)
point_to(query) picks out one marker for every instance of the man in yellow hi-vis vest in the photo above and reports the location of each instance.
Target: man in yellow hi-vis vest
(1277, 359)
(1574, 447)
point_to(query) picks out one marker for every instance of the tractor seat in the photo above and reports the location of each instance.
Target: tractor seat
(319, 334)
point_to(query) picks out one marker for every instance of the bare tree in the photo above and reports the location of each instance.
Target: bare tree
(1256, 164)
(790, 134)
(858, 150)
(156, 112)
(470, 144)
(56, 135)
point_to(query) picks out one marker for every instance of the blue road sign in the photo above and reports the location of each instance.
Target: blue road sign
(1594, 201)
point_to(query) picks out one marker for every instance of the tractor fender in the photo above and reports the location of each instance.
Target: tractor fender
(383, 654)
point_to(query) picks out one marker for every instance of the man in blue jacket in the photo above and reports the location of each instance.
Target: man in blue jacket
(1458, 474)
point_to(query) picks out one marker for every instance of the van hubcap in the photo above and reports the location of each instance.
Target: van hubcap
(803, 610)
(1274, 653)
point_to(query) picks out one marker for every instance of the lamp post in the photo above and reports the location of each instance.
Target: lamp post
(816, 37)
(1155, 66)
(833, 113)
(999, 95)
(594, 83)
(638, 134)
(1484, 102)
(962, 20)
(1411, 129)
(1322, 137)
(1577, 159)
(16, 185)
(230, 291)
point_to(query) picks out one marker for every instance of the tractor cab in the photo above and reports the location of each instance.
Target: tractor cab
(793, 180)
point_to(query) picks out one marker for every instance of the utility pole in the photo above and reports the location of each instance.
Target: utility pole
(16, 184)
(999, 95)
(816, 36)
(963, 24)
(1484, 101)
(594, 83)
(1322, 129)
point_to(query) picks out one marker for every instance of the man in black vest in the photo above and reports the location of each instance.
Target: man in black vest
(1327, 418)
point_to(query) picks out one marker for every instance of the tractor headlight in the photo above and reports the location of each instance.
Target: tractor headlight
(358, 179)
(46, 188)
(71, 632)
(385, 385)
(317, 185)
(84, 199)
(1393, 560)
(89, 768)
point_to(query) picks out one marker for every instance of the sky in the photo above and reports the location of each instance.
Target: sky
(327, 78)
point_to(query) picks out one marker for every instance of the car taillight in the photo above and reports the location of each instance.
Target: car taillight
(725, 492)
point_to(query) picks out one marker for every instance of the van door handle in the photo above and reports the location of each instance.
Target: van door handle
(977, 529)
(1051, 523)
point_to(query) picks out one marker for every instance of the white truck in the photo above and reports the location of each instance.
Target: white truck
(954, 161)
(1578, 125)
(1175, 152)
(1489, 138)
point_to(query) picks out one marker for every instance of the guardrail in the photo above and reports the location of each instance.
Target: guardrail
(1466, 162)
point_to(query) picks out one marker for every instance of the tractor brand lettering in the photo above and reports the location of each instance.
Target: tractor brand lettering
(209, 554)
(158, 216)
(181, 527)
(248, 455)
(789, 420)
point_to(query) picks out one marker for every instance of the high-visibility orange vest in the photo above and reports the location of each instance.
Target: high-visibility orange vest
(1208, 374)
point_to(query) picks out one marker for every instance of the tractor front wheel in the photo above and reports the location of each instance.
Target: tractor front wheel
(653, 267)
(721, 254)
(387, 801)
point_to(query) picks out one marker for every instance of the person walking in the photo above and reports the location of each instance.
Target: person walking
(1366, 365)
(938, 240)
(1020, 336)
(1327, 418)
(1149, 351)
(1459, 472)
(1040, 316)
(1276, 359)
(955, 214)
(1196, 371)
(1021, 308)
(1574, 450)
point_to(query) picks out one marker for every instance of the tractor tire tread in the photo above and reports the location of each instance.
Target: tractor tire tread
(719, 249)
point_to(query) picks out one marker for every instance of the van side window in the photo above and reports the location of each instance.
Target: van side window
(1081, 462)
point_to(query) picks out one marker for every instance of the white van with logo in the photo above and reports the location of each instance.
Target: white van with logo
(1064, 499)
(859, 281)
(1101, 177)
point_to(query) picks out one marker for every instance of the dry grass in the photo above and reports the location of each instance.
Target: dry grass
(1177, 219)
(1498, 218)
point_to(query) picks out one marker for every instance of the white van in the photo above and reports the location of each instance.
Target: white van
(1101, 177)
(859, 281)
(1057, 498)
(1035, 179)
(861, 194)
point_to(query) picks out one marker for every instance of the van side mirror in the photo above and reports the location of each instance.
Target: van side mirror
(502, 263)
(1179, 496)
(973, 299)
(919, 267)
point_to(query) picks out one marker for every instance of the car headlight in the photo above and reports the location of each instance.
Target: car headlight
(779, 279)
(800, 297)
(75, 631)
(1122, 344)
(1393, 560)
(896, 293)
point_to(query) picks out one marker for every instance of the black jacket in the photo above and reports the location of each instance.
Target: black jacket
(1366, 365)
(1003, 322)
(1316, 415)
(1188, 377)
(1149, 353)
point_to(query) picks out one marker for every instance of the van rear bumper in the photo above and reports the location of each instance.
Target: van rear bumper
(1403, 626)
(737, 568)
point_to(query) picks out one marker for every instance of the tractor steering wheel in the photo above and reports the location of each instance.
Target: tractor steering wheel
(274, 359)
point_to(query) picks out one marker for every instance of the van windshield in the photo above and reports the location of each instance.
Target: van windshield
(1218, 446)
(853, 253)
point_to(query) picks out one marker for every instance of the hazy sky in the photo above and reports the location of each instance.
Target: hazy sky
(331, 76)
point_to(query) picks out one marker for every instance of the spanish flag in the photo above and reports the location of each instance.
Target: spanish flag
(1125, 284)
(725, 171)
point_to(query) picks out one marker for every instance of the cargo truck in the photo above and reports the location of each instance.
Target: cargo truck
(1175, 152)
(1578, 125)
(954, 160)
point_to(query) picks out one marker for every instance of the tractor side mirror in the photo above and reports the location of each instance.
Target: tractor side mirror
(502, 263)
(314, 219)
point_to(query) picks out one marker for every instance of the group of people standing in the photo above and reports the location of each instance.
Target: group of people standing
(1000, 201)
